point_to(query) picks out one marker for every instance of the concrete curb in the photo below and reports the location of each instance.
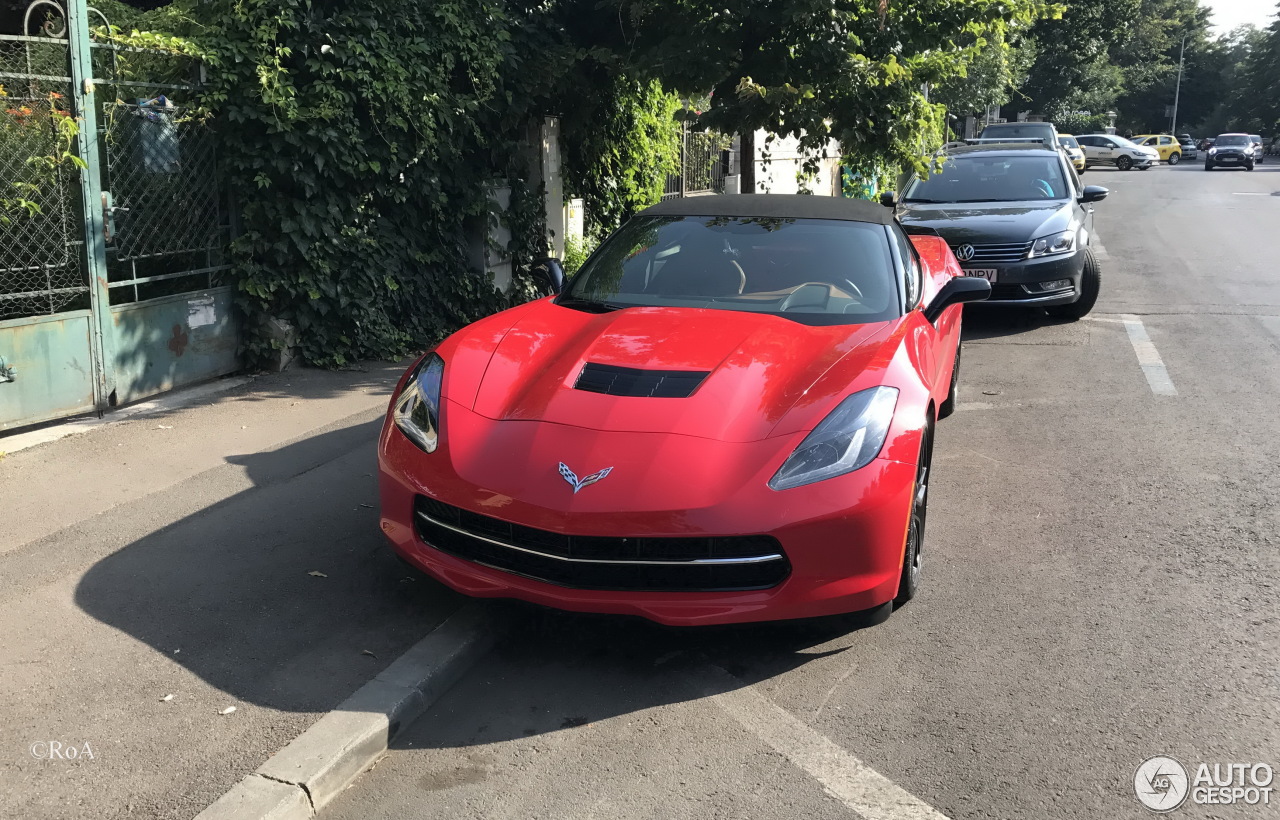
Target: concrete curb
(300, 779)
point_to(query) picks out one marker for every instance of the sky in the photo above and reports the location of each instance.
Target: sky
(1227, 14)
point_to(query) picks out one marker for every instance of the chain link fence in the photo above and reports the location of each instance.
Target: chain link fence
(164, 214)
(40, 268)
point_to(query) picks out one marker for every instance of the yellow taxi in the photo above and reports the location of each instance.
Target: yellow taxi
(1166, 146)
(1074, 152)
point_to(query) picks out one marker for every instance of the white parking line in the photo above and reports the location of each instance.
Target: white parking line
(864, 790)
(1148, 357)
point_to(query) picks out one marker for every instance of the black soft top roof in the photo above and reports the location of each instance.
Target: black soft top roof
(794, 206)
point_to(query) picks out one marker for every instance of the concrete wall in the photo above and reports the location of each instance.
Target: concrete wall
(778, 163)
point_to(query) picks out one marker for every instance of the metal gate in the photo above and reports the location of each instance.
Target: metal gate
(112, 265)
(704, 163)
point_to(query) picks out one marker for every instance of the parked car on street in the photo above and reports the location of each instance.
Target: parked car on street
(1166, 146)
(1259, 153)
(1016, 216)
(1115, 151)
(727, 415)
(1189, 149)
(1230, 151)
(1020, 131)
(1074, 152)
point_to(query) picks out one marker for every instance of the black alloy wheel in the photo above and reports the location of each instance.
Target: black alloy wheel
(1090, 287)
(910, 580)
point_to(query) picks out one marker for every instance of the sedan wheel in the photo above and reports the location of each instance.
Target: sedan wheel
(1124, 163)
(915, 530)
(1208, 166)
(1174, 159)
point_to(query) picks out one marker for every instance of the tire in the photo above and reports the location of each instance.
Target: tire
(949, 406)
(1175, 158)
(1082, 170)
(1124, 163)
(1249, 167)
(909, 582)
(1145, 168)
(1208, 166)
(1090, 285)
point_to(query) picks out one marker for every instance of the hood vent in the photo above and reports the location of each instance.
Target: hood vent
(626, 381)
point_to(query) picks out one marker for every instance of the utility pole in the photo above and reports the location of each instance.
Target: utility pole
(1177, 91)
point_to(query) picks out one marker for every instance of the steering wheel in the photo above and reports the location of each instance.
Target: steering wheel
(803, 296)
(853, 289)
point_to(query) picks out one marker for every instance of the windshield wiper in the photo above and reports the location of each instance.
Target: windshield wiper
(588, 305)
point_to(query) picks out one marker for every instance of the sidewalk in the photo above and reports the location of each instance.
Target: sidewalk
(177, 554)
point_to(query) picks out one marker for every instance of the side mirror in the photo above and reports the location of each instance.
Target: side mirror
(1093, 193)
(889, 199)
(959, 290)
(551, 272)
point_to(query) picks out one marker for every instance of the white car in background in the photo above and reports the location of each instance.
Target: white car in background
(1116, 151)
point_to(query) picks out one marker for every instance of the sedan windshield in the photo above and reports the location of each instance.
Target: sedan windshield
(1231, 139)
(814, 271)
(987, 178)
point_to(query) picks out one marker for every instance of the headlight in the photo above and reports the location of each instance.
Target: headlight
(1213, 150)
(417, 409)
(846, 440)
(1064, 242)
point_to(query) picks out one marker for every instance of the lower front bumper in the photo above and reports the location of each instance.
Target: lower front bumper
(1017, 283)
(843, 539)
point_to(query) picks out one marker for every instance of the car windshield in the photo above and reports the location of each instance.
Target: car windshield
(813, 271)
(1124, 143)
(1068, 142)
(1232, 139)
(989, 178)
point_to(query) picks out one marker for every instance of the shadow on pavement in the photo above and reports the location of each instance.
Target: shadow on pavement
(227, 592)
(560, 670)
(986, 322)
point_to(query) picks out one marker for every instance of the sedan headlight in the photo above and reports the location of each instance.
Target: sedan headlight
(417, 409)
(1064, 242)
(1213, 151)
(846, 440)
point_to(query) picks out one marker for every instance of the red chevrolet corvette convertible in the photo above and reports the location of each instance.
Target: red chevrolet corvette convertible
(727, 415)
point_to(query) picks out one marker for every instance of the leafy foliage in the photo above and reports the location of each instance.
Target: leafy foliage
(361, 138)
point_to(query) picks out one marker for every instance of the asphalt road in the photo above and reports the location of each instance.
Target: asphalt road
(1100, 587)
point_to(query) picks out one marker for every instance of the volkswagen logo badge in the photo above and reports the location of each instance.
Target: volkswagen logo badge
(964, 253)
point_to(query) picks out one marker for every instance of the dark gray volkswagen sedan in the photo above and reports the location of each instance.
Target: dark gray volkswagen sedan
(1017, 216)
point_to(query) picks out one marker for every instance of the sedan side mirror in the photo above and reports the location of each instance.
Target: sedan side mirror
(551, 271)
(1093, 193)
(889, 199)
(959, 290)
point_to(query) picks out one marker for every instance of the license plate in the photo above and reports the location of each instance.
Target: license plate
(1227, 159)
(982, 273)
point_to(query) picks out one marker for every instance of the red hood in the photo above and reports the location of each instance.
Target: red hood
(760, 366)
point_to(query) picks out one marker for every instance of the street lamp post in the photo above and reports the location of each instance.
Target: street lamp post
(1177, 91)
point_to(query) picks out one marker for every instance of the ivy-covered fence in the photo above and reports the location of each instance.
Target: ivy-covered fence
(362, 141)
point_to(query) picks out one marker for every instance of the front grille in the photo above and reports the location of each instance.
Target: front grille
(1008, 291)
(626, 381)
(1009, 252)
(604, 562)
